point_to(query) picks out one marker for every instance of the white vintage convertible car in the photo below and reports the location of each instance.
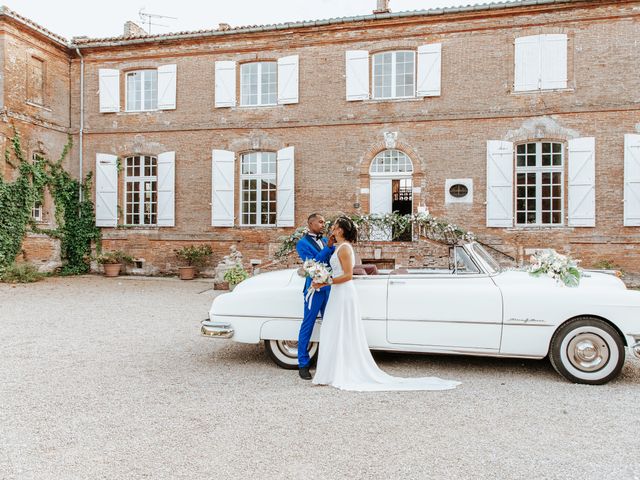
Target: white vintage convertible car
(473, 308)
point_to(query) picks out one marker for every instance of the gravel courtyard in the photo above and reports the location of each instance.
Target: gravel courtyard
(109, 379)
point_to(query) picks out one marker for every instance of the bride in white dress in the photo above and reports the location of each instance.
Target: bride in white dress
(344, 359)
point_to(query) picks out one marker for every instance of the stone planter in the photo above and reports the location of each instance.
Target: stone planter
(112, 269)
(187, 273)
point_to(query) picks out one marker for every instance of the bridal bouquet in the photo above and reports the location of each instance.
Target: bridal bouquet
(559, 267)
(317, 272)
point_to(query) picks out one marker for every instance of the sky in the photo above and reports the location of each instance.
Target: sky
(93, 18)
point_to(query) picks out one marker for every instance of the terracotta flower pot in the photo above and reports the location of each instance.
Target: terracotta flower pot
(187, 273)
(112, 269)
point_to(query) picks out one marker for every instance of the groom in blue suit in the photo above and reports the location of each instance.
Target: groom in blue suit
(316, 247)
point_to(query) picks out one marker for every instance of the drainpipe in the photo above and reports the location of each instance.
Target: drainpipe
(81, 117)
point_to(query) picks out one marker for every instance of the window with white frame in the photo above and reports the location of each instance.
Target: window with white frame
(259, 84)
(141, 190)
(394, 74)
(539, 183)
(258, 188)
(391, 162)
(142, 90)
(36, 212)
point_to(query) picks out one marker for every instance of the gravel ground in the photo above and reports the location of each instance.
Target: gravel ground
(109, 379)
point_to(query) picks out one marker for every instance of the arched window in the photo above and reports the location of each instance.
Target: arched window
(390, 189)
(391, 162)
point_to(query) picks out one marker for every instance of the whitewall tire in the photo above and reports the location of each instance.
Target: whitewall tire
(285, 352)
(587, 350)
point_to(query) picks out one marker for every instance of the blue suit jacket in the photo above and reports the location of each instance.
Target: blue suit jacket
(307, 248)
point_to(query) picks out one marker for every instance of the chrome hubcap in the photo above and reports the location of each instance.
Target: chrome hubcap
(588, 352)
(289, 348)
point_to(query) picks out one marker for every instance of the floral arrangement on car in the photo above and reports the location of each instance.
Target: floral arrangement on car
(561, 268)
(318, 272)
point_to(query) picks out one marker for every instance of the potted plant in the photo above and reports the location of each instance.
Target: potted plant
(194, 256)
(235, 275)
(112, 262)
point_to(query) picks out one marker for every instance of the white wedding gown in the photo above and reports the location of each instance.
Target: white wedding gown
(344, 359)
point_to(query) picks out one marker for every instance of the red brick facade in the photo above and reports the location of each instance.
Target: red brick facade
(335, 140)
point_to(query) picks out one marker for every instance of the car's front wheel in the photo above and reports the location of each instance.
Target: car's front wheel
(587, 350)
(285, 352)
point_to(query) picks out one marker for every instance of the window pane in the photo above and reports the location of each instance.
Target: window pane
(269, 83)
(134, 91)
(404, 74)
(249, 84)
(150, 89)
(382, 75)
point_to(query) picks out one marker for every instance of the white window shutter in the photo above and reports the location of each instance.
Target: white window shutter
(499, 184)
(222, 188)
(632, 180)
(527, 64)
(106, 190)
(285, 194)
(109, 90)
(553, 61)
(582, 174)
(357, 68)
(166, 189)
(225, 84)
(429, 70)
(167, 87)
(288, 72)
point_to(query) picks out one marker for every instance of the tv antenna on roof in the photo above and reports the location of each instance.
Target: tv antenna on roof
(148, 17)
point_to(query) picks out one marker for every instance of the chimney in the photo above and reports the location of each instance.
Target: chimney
(132, 29)
(383, 7)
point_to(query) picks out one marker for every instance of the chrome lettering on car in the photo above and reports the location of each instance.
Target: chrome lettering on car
(527, 320)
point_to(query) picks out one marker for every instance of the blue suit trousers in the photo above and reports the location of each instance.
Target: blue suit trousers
(318, 304)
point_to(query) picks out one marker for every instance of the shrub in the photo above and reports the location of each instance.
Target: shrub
(194, 255)
(21, 273)
(117, 256)
(236, 274)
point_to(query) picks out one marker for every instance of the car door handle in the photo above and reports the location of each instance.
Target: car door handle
(397, 282)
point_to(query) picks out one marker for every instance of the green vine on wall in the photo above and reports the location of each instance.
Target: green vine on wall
(74, 216)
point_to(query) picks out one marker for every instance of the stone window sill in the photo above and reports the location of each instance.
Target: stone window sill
(541, 92)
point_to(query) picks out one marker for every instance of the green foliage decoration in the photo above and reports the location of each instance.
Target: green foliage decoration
(21, 273)
(74, 215)
(194, 255)
(392, 226)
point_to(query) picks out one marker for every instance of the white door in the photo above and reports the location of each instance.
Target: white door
(444, 310)
(372, 296)
(380, 200)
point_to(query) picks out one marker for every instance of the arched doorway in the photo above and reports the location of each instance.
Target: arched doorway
(391, 188)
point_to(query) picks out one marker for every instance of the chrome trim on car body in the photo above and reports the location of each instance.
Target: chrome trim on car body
(216, 329)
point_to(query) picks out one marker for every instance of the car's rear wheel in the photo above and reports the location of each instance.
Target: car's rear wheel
(285, 352)
(587, 350)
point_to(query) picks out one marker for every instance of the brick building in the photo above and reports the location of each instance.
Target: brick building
(518, 121)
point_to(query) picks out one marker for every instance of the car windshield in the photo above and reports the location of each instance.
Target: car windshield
(486, 258)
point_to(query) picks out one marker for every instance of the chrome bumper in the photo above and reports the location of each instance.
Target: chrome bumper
(216, 329)
(635, 349)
